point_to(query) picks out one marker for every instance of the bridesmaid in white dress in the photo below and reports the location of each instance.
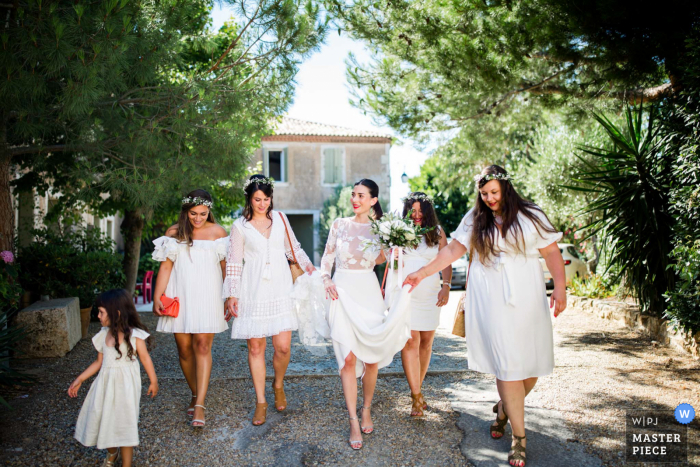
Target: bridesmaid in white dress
(508, 326)
(365, 337)
(192, 255)
(428, 298)
(258, 287)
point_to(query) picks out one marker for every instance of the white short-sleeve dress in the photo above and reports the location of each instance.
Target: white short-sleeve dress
(425, 314)
(507, 316)
(110, 414)
(196, 280)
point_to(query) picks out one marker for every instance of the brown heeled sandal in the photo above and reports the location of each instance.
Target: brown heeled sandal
(500, 427)
(260, 415)
(280, 398)
(417, 407)
(422, 399)
(517, 452)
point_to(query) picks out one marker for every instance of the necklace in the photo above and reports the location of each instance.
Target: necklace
(498, 219)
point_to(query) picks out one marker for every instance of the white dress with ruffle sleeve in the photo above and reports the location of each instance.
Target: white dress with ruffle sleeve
(110, 414)
(507, 316)
(196, 280)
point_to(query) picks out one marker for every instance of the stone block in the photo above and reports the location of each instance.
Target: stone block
(52, 327)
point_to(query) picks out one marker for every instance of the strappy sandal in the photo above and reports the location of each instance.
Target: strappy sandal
(355, 445)
(111, 462)
(260, 415)
(425, 404)
(280, 398)
(197, 420)
(417, 407)
(517, 451)
(366, 429)
(190, 410)
(500, 427)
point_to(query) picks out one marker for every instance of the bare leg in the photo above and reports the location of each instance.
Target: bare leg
(410, 358)
(127, 456)
(202, 354)
(185, 352)
(369, 382)
(258, 370)
(282, 343)
(513, 396)
(425, 350)
(349, 379)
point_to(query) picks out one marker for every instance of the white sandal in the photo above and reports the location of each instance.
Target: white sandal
(190, 410)
(196, 420)
(355, 445)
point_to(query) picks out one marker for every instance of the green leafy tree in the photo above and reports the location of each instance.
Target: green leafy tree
(334, 207)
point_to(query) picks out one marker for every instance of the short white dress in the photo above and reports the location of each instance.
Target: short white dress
(109, 417)
(361, 321)
(196, 280)
(257, 273)
(507, 315)
(425, 314)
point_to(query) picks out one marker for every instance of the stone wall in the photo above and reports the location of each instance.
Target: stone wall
(629, 316)
(52, 327)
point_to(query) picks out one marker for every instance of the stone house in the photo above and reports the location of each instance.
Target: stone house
(310, 160)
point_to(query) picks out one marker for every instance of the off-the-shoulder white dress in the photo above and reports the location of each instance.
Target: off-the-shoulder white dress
(196, 280)
(507, 316)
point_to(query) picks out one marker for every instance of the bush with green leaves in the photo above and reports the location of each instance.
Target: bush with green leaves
(684, 300)
(594, 286)
(334, 207)
(80, 264)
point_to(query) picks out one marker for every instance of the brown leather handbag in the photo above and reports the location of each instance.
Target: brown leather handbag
(459, 325)
(294, 267)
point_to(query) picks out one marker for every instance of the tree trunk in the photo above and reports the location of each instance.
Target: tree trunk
(7, 213)
(132, 228)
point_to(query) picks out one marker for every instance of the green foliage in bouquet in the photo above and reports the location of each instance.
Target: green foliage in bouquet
(393, 230)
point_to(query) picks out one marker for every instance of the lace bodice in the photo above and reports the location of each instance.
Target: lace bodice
(344, 248)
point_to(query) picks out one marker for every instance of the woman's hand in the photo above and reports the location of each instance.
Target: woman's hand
(310, 269)
(414, 279)
(74, 387)
(558, 300)
(152, 389)
(331, 291)
(231, 308)
(157, 306)
(443, 296)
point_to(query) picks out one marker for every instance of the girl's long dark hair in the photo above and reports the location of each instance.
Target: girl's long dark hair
(432, 237)
(483, 238)
(250, 190)
(374, 193)
(123, 317)
(184, 226)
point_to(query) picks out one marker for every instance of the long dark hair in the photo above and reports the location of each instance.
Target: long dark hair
(483, 238)
(184, 226)
(432, 237)
(123, 317)
(252, 188)
(374, 193)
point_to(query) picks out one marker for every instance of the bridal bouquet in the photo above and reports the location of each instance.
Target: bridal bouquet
(394, 231)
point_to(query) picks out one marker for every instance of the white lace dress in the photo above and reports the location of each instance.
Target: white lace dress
(110, 414)
(196, 281)
(257, 273)
(425, 314)
(507, 316)
(360, 321)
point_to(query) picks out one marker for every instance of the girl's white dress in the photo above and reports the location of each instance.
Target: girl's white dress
(257, 273)
(425, 314)
(360, 321)
(110, 414)
(196, 280)
(507, 316)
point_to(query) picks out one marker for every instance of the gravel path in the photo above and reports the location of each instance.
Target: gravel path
(602, 370)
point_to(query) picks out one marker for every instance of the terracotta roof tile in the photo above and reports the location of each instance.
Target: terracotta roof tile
(293, 126)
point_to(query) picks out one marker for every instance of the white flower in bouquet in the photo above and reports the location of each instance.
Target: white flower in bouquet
(394, 231)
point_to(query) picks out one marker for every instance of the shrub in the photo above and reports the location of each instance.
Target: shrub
(595, 286)
(684, 300)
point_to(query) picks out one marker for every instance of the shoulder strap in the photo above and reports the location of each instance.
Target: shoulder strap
(291, 247)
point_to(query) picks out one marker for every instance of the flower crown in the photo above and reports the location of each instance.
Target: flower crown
(260, 181)
(197, 201)
(488, 177)
(418, 197)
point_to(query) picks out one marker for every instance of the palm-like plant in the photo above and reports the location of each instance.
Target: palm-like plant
(630, 180)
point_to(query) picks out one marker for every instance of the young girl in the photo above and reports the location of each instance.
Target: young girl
(110, 414)
(508, 327)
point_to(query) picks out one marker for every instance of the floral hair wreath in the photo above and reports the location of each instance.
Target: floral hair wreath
(488, 177)
(418, 197)
(260, 181)
(197, 201)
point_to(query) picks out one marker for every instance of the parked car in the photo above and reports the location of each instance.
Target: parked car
(459, 273)
(574, 265)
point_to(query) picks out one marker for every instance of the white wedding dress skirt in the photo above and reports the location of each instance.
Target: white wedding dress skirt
(362, 323)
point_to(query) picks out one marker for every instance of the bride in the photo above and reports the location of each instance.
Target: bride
(365, 338)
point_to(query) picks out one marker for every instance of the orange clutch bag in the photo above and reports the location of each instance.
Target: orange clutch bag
(171, 306)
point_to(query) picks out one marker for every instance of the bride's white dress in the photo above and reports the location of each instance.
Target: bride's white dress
(360, 321)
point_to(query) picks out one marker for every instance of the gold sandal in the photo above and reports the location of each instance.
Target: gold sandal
(280, 398)
(260, 415)
(108, 462)
(500, 427)
(422, 399)
(417, 407)
(517, 452)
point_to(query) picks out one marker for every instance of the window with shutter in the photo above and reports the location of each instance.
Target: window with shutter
(275, 164)
(333, 167)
